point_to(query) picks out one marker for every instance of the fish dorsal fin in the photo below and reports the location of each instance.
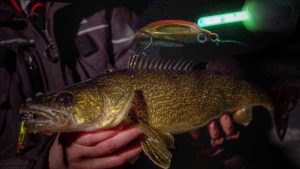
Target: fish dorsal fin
(155, 147)
(144, 61)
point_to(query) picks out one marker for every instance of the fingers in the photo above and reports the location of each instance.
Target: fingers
(221, 131)
(228, 127)
(98, 149)
(215, 133)
(110, 161)
(225, 126)
(109, 145)
(91, 138)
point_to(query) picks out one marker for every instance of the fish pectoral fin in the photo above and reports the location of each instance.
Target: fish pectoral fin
(168, 139)
(154, 146)
(243, 116)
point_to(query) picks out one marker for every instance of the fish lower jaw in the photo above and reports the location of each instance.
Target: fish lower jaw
(43, 120)
(38, 118)
(45, 125)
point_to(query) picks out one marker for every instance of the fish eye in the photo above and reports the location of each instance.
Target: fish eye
(64, 98)
(202, 38)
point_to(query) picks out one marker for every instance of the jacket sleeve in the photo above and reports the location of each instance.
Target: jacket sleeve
(123, 22)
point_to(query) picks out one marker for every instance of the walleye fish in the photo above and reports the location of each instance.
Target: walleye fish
(160, 103)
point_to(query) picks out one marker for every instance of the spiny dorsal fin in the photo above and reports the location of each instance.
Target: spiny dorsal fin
(144, 44)
(143, 61)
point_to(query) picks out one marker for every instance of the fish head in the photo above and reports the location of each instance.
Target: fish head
(72, 109)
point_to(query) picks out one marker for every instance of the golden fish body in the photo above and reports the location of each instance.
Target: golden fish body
(180, 101)
(161, 102)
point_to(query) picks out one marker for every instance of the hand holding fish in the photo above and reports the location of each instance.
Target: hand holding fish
(99, 149)
(224, 135)
(216, 128)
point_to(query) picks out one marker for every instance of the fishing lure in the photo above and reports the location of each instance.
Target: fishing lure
(21, 136)
(175, 33)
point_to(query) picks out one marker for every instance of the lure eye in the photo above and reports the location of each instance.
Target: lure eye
(202, 38)
(64, 98)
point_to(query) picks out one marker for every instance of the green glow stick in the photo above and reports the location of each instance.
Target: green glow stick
(223, 19)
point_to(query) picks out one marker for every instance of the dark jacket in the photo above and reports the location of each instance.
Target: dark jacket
(47, 47)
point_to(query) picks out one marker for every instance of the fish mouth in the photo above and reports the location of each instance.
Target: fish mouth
(42, 118)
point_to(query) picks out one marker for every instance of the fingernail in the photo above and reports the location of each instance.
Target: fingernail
(224, 118)
(140, 132)
(212, 125)
(134, 128)
(86, 139)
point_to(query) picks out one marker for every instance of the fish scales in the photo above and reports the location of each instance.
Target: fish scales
(159, 90)
(170, 95)
(90, 103)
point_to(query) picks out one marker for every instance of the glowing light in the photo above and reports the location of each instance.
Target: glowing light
(223, 19)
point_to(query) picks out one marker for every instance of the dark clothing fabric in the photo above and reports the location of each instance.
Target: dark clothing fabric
(59, 44)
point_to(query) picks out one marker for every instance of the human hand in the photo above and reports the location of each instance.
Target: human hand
(99, 149)
(224, 136)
